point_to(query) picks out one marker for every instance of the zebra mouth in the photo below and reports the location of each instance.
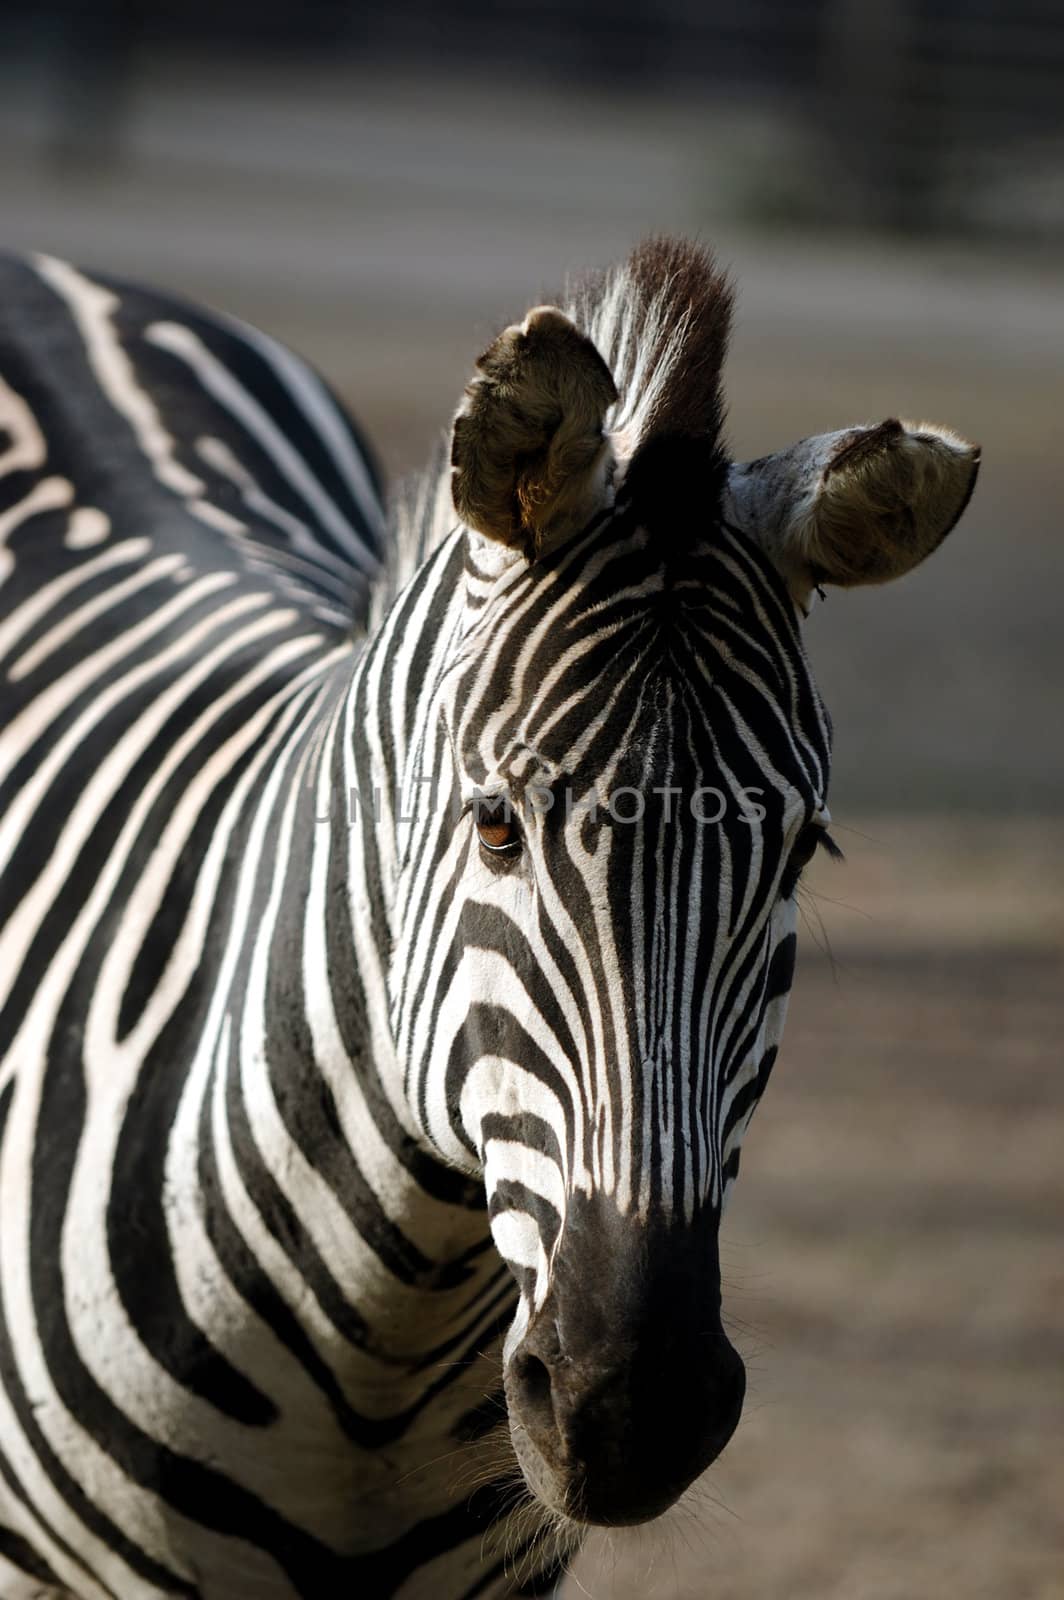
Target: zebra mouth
(624, 1453)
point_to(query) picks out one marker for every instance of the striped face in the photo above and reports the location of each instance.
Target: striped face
(640, 760)
(640, 763)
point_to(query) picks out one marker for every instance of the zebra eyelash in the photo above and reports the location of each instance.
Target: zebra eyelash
(811, 839)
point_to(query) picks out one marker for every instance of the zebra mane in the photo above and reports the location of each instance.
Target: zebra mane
(660, 319)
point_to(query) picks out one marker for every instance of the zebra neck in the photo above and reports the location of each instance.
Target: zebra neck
(352, 1200)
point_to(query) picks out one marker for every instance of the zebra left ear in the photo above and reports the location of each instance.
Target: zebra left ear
(531, 464)
(864, 505)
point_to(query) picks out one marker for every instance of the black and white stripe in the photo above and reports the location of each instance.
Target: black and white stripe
(299, 1085)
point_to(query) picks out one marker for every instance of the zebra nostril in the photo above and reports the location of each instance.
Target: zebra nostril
(534, 1395)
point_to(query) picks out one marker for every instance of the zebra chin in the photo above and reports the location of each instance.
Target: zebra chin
(624, 1387)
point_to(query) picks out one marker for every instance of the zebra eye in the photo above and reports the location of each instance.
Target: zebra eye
(497, 828)
(805, 847)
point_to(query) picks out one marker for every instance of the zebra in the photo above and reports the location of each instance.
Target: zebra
(396, 929)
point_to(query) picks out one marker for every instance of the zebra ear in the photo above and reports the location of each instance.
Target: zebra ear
(530, 463)
(860, 506)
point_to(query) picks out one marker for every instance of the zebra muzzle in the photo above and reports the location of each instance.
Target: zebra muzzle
(624, 1388)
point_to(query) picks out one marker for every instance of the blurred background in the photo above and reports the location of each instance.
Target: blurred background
(382, 187)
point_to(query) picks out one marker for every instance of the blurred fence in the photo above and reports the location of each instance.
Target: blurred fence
(922, 115)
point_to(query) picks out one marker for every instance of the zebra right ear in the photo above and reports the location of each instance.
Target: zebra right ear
(530, 461)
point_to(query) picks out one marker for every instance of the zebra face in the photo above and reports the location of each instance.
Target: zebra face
(641, 762)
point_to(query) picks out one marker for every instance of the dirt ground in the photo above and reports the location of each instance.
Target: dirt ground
(894, 1267)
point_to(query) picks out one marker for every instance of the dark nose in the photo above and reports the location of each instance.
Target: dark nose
(623, 1441)
(623, 1438)
(625, 1387)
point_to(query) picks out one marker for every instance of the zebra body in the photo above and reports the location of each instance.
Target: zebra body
(370, 1084)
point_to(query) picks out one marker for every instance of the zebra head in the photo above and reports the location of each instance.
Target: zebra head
(641, 760)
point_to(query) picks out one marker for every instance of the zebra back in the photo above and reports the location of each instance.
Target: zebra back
(130, 415)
